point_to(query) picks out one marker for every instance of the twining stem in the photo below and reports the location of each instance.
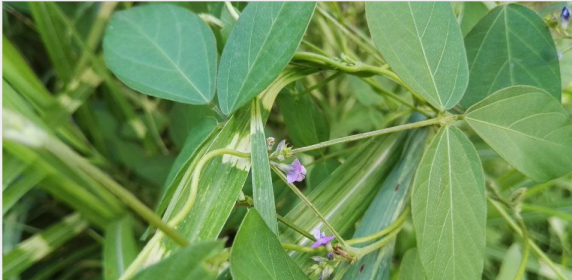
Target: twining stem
(437, 120)
(132, 269)
(531, 242)
(195, 181)
(295, 227)
(398, 223)
(76, 161)
(358, 68)
(389, 232)
(309, 204)
(231, 10)
(378, 244)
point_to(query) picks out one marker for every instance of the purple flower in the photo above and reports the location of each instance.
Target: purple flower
(296, 172)
(565, 17)
(321, 238)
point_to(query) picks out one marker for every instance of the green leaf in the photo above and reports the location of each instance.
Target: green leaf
(472, 13)
(387, 205)
(411, 268)
(263, 192)
(260, 46)
(163, 51)
(449, 209)
(189, 263)
(257, 254)
(217, 194)
(510, 46)
(422, 43)
(346, 194)
(120, 248)
(306, 124)
(510, 263)
(197, 137)
(528, 128)
(40, 245)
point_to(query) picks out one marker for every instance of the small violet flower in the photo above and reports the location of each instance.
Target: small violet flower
(296, 172)
(321, 239)
(565, 17)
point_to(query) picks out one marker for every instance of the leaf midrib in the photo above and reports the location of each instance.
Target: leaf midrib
(179, 70)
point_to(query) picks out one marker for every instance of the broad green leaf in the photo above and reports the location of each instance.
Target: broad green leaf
(422, 43)
(472, 13)
(387, 205)
(510, 46)
(260, 46)
(528, 128)
(306, 124)
(164, 51)
(346, 194)
(190, 263)
(257, 254)
(120, 248)
(411, 268)
(40, 245)
(448, 208)
(217, 194)
(262, 189)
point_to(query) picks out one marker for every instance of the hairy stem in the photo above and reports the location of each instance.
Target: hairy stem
(437, 120)
(296, 228)
(309, 204)
(398, 223)
(302, 249)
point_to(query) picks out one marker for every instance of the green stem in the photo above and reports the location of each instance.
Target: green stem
(295, 227)
(525, 249)
(309, 204)
(437, 120)
(364, 42)
(398, 223)
(231, 10)
(132, 269)
(378, 244)
(195, 181)
(321, 83)
(314, 47)
(531, 242)
(303, 249)
(393, 96)
(76, 161)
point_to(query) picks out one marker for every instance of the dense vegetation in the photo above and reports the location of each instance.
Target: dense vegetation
(282, 140)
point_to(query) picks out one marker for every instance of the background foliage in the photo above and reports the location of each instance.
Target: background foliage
(306, 73)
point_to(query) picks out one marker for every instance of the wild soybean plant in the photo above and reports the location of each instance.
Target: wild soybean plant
(501, 81)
